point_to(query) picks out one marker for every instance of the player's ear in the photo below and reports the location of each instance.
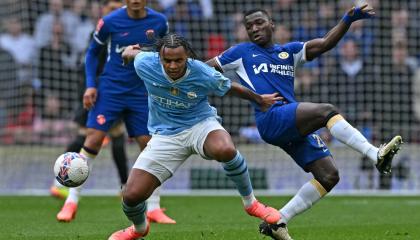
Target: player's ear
(273, 27)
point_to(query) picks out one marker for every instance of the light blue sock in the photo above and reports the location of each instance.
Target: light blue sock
(137, 215)
(237, 171)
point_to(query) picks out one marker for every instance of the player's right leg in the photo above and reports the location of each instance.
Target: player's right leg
(312, 116)
(213, 142)
(90, 149)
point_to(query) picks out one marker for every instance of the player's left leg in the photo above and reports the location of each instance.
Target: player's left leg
(118, 150)
(154, 166)
(154, 212)
(140, 186)
(218, 145)
(325, 178)
(312, 116)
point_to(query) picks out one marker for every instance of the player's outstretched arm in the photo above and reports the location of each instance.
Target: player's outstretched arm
(264, 101)
(318, 46)
(130, 53)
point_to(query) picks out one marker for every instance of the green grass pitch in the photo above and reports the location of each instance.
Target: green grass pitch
(334, 218)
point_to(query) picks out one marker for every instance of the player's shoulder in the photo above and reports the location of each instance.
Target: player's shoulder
(293, 47)
(200, 67)
(146, 59)
(154, 13)
(243, 46)
(118, 13)
(239, 49)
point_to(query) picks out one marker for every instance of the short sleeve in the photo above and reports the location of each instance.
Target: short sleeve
(217, 83)
(140, 62)
(230, 59)
(298, 51)
(102, 32)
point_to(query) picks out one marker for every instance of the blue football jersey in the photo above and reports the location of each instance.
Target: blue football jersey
(117, 30)
(178, 105)
(265, 70)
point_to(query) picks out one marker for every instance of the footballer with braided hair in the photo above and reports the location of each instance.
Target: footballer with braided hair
(183, 123)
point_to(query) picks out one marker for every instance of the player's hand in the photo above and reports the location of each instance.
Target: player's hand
(270, 99)
(357, 13)
(130, 53)
(89, 98)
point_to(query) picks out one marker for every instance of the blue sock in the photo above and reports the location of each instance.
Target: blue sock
(237, 171)
(137, 215)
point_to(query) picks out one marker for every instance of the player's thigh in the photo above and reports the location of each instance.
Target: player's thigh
(106, 111)
(278, 125)
(312, 116)
(162, 156)
(219, 146)
(136, 118)
(307, 150)
(198, 137)
(142, 141)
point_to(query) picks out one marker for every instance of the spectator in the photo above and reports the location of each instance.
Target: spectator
(196, 8)
(56, 72)
(83, 30)
(7, 86)
(45, 23)
(395, 110)
(13, 41)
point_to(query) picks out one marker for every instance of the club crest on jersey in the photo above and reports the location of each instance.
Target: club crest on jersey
(191, 95)
(283, 55)
(174, 91)
(100, 119)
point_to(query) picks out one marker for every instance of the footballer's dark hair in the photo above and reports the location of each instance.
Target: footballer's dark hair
(173, 40)
(249, 12)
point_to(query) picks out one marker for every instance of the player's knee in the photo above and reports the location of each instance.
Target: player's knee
(132, 197)
(94, 140)
(225, 153)
(329, 180)
(328, 111)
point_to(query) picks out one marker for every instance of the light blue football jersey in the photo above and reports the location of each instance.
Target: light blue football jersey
(265, 70)
(175, 106)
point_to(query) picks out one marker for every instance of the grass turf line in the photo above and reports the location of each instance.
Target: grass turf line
(215, 218)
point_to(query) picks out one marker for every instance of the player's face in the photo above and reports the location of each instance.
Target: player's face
(259, 28)
(136, 5)
(174, 61)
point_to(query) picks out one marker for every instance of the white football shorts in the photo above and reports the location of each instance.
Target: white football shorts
(164, 154)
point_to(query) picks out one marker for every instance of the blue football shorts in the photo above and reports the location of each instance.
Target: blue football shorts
(277, 126)
(132, 108)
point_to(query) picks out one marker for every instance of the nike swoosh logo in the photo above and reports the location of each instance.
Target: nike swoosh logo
(325, 149)
(124, 34)
(255, 55)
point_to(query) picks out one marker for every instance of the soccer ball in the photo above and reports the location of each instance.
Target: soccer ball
(71, 169)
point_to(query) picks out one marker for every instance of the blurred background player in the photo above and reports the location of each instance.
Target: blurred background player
(118, 93)
(183, 123)
(116, 132)
(266, 67)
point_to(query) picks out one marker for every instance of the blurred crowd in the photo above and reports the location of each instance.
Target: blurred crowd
(371, 76)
